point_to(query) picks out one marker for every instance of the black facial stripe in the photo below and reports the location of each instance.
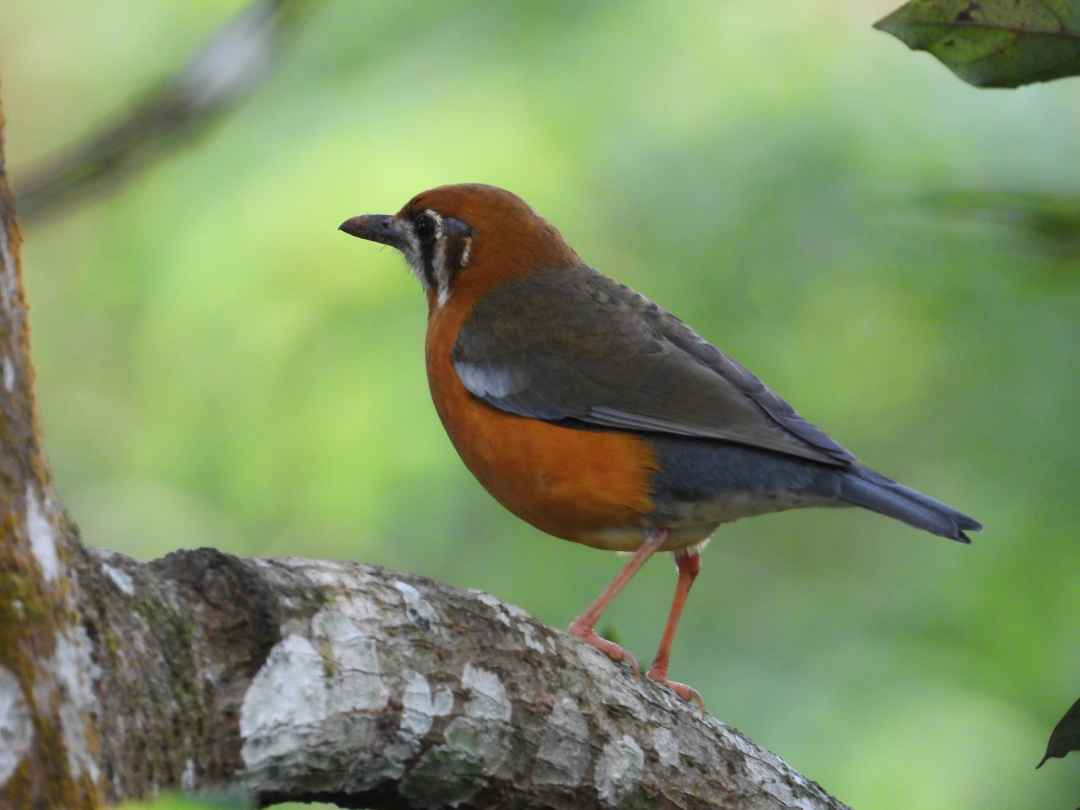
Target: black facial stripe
(426, 236)
(455, 253)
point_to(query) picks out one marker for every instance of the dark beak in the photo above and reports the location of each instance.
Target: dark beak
(384, 228)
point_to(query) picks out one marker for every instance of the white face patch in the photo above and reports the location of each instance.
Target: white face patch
(465, 254)
(436, 217)
(437, 248)
(438, 259)
(412, 254)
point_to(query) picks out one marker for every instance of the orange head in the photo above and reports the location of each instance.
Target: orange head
(469, 236)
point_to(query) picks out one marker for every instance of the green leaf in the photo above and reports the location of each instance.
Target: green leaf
(993, 43)
(1066, 735)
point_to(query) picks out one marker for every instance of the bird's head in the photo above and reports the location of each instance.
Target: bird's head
(466, 236)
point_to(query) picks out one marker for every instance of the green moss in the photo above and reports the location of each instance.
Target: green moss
(31, 617)
(326, 652)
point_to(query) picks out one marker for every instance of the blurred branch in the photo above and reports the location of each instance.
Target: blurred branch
(1052, 219)
(236, 58)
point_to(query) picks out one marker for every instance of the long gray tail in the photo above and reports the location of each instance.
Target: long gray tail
(870, 490)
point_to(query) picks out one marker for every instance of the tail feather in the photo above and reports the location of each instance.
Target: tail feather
(871, 490)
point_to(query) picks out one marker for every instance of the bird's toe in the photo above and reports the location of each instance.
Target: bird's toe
(608, 648)
(687, 693)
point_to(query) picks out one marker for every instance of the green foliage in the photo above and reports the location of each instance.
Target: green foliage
(993, 43)
(191, 802)
(218, 365)
(1051, 221)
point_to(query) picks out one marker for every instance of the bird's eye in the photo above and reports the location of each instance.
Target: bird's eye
(425, 227)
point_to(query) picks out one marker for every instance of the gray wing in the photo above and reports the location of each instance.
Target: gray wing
(574, 344)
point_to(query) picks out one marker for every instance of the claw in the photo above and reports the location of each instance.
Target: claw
(687, 693)
(608, 648)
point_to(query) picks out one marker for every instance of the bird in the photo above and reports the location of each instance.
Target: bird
(598, 417)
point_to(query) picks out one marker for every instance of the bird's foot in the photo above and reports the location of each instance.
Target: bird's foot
(687, 693)
(608, 648)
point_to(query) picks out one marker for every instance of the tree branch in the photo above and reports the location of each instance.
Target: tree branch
(47, 734)
(238, 56)
(310, 680)
(332, 681)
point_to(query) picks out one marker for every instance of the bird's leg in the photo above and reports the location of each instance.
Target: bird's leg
(689, 564)
(582, 626)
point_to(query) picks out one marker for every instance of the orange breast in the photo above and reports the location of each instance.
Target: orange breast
(588, 486)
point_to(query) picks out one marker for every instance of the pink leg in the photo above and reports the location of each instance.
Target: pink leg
(582, 626)
(689, 564)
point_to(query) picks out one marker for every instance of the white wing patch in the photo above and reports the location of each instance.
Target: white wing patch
(489, 381)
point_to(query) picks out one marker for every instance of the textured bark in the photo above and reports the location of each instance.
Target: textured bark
(48, 751)
(310, 680)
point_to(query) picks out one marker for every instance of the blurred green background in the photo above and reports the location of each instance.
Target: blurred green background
(217, 365)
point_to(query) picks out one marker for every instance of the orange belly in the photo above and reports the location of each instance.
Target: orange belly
(588, 486)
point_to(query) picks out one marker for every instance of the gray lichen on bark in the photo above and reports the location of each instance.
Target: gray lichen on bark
(341, 682)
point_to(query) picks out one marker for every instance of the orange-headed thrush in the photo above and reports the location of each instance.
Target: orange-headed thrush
(599, 417)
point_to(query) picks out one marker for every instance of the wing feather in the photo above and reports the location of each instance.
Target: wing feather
(572, 344)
